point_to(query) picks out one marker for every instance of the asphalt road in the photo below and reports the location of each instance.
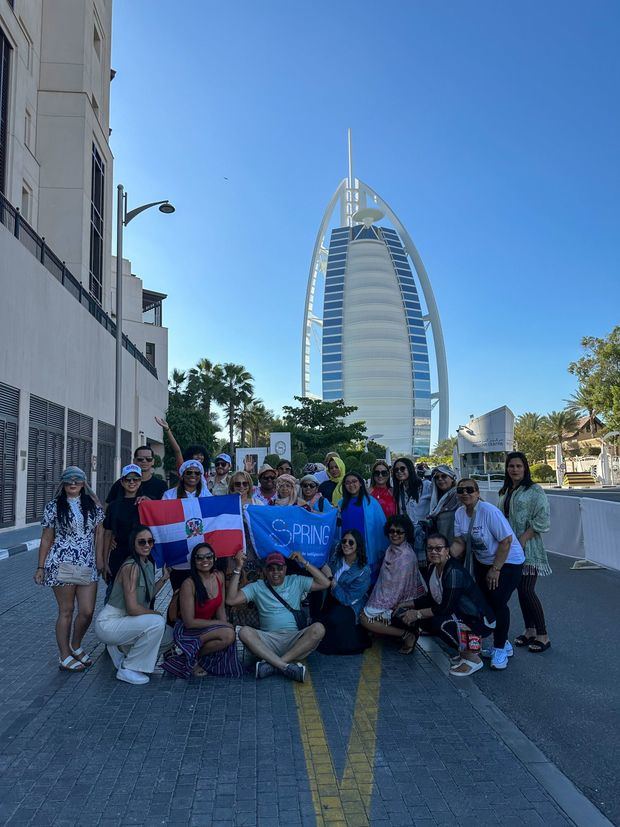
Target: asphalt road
(567, 700)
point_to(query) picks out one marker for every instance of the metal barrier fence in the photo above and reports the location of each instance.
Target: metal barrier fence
(11, 218)
(585, 528)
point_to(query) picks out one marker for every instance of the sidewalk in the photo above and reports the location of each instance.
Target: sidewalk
(16, 540)
(380, 739)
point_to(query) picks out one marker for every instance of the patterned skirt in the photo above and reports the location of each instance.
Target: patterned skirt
(181, 662)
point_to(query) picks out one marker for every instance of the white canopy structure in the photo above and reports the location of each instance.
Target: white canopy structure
(365, 326)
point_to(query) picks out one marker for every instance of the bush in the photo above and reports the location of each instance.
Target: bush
(541, 472)
(298, 461)
(272, 459)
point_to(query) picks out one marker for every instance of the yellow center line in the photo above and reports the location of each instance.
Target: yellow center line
(344, 801)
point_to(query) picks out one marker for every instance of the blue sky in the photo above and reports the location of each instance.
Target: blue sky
(491, 129)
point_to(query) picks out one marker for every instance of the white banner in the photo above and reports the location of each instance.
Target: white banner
(280, 444)
(601, 531)
(566, 533)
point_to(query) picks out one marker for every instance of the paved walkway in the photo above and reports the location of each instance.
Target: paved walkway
(378, 739)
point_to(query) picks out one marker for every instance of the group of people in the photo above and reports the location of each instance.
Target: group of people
(418, 552)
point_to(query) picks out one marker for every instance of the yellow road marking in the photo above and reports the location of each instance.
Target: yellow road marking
(344, 801)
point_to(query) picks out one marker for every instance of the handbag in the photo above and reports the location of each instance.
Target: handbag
(301, 618)
(75, 575)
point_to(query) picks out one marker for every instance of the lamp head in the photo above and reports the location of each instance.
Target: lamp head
(166, 208)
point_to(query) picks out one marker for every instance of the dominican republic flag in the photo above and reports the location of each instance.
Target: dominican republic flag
(179, 525)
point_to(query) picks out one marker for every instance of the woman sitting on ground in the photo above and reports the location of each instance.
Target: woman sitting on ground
(132, 631)
(311, 498)
(453, 607)
(444, 502)
(398, 585)
(381, 489)
(205, 639)
(350, 582)
(362, 512)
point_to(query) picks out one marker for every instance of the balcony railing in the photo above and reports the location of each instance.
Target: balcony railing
(11, 218)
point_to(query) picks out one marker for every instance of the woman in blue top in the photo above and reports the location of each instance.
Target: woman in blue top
(350, 581)
(360, 511)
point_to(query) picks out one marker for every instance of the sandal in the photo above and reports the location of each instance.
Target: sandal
(471, 668)
(81, 656)
(405, 649)
(524, 640)
(71, 664)
(539, 646)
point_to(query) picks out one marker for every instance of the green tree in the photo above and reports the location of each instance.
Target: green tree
(237, 389)
(531, 436)
(189, 422)
(317, 426)
(205, 384)
(598, 373)
(445, 447)
(560, 425)
(584, 402)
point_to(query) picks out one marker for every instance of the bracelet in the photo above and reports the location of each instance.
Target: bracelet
(495, 568)
(236, 571)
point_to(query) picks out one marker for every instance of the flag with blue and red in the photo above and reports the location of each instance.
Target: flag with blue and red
(179, 525)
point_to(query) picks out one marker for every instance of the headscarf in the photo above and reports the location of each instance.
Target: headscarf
(292, 499)
(338, 492)
(449, 500)
(191, 463)
(316, 496)
(399, 581)
(72, 472)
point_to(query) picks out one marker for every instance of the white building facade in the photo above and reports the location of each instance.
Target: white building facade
(57, 344)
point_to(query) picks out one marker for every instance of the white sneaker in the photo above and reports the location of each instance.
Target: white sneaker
(487, 651)
(499, 660)
(131, 676)
(115, 654)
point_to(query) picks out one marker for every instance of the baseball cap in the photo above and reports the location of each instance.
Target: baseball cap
(225, 457)
(131, 469)
(275, 558)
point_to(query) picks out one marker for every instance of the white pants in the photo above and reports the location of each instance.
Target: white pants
(140, 636)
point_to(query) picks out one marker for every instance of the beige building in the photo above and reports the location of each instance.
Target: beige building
(57, 326)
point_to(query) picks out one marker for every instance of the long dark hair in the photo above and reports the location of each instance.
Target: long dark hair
(413, 485)
(527, 480)
(363, 494)
(201, 593)
(400, 521)
(359, 542)
(63, 510)
(182, 493)
(133, 555)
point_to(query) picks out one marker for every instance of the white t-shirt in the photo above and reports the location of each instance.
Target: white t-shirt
(490, 528)
(344, 567)
(171, 493)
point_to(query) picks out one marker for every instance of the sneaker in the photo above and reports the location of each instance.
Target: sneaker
(264, 669)
(487, 651)
(296, 672)
(499, 659)
(131, 676)
(115, 654)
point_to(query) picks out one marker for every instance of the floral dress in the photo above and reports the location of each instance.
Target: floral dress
(72, 543)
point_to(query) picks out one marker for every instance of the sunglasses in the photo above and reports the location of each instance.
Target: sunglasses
(382, 473)
(149, 542)
(347, 542)
(221, 464)
(143, 459)
(241, 483)
(200, 558)
(267, 477)
(397, 531)
(430, 549)
(309, 485)
(74, 482)
(466, 489)
(131, 479)
(400, 469)
(191, 473)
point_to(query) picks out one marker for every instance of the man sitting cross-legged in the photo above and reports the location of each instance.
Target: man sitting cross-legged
(278, 644)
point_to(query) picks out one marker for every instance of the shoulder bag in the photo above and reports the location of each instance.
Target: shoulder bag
(301, 618)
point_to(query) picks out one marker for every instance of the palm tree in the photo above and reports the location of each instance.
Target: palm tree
(582, 402)
(206, 380)
(177, 381)
(237, 388)
(560, 425)
(260, 421)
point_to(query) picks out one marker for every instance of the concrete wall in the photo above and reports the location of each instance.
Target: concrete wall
(51, 346)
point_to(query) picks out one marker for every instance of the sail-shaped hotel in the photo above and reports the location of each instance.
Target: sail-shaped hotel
(366, 331)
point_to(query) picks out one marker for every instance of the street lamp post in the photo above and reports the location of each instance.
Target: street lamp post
(122, 219)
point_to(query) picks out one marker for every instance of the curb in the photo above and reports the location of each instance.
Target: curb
(29, 545)
(577, 807)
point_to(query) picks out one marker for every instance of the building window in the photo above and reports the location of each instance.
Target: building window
(97, 42)
(150, 352)
(26, 209)
(5, 52)
(97, 204)
(28, 129)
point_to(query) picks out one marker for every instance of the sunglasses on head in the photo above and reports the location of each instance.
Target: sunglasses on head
(466, 489)
(145, 542)
(202, 557)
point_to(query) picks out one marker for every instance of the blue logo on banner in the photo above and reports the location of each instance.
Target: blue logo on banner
(292, 528)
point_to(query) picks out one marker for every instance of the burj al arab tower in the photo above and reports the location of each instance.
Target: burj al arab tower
(370, 318)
